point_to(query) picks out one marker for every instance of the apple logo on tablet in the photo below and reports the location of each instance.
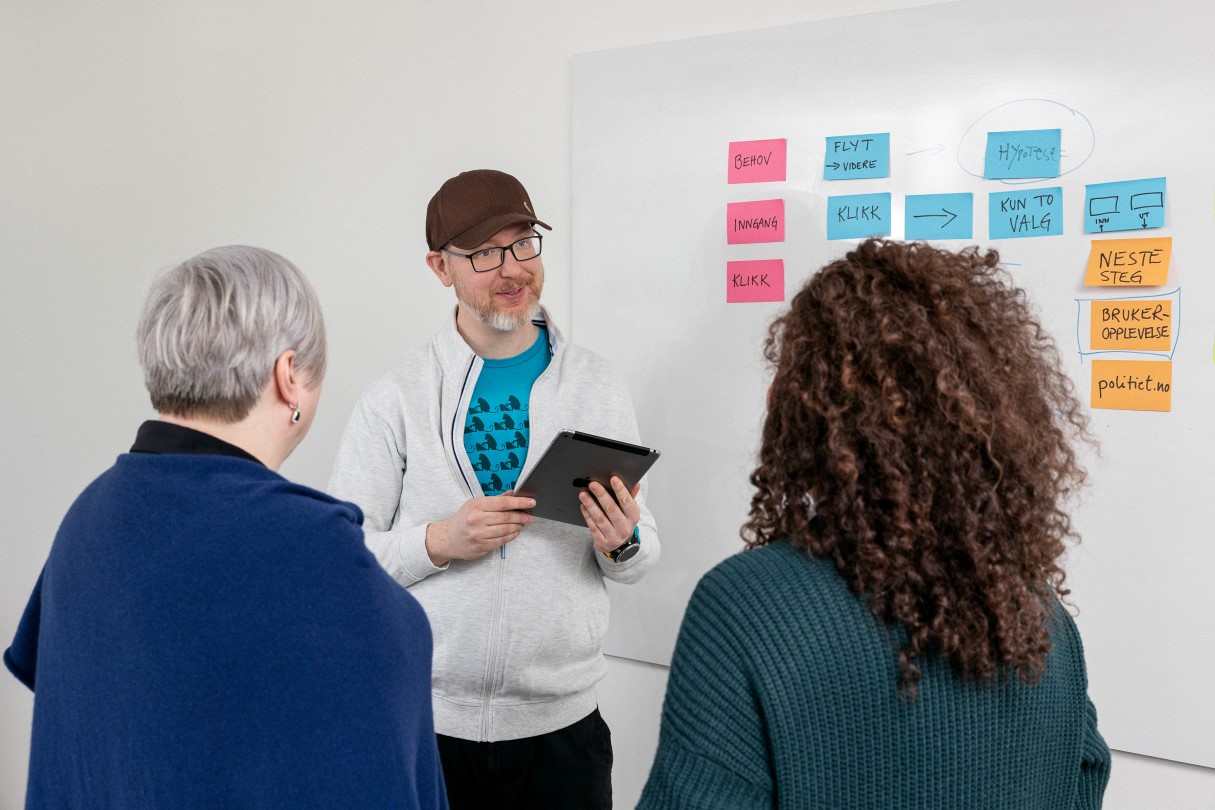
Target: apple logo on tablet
(582, 483)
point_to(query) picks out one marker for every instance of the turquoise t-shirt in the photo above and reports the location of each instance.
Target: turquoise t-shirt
(497, 430)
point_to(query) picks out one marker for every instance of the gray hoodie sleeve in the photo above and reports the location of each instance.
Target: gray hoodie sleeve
(368, 472)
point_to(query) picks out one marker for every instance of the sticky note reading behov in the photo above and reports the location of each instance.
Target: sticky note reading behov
(1129, 205)
(858, 216)
(1129, 262)
(755, 281)
(758, 221)
(939, 216)
(1131, 325)
(757, 161)
(1133, 385)
(1025, 154)
(1016, 214)
(855, 157)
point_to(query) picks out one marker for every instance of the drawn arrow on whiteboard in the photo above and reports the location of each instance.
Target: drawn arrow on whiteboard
(931, 150)
(945, 213)
(832, 166)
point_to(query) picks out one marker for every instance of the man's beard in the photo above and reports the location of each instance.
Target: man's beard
(489, 315)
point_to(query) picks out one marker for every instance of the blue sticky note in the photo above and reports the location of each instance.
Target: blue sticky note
(1130, 205)
(858, 216)
(854, 157)
(1028, 153)
(939, 216)
(1033, 212)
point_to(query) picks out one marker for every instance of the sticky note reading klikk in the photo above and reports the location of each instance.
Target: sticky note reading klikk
(1133, 385)
(758, 221)
(858, 216)
(854, 157)
(1016, 214)
(755, 281)
(757, 161)
(1028, 153)
(939, 216)
(1129, 262)
(1131, 325)
(1125, 206)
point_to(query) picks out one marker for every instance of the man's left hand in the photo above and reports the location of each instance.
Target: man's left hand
(610, 519)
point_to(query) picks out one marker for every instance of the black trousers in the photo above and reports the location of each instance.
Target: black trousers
(567, 768)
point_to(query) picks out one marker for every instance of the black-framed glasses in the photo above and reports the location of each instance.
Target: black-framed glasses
(491, 258)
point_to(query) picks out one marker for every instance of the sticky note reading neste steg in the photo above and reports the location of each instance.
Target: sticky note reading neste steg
(1129, 262)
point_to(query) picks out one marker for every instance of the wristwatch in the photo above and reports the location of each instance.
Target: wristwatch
(627, 550)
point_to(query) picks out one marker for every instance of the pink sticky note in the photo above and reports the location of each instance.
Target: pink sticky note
(759, 221)
(749, 282)
(757, 161)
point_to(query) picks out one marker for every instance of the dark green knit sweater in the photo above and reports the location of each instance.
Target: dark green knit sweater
(783, 693)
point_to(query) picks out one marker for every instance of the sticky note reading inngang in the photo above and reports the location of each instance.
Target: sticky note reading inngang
(1129, 262)
(855, 157)
(1133, 385)
(758, 221)
(1131, 325)
(757, 161)
(755, 281)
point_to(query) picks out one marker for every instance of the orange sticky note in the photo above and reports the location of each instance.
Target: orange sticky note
(1132, 325)
(1129, 262)
(1133, 385)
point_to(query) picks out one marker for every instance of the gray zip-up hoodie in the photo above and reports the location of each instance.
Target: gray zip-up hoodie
(516, 640)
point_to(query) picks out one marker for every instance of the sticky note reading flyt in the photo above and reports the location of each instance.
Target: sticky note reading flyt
(855, 157)
(1125, 206)
(1133, 385)
(1143, 325)
(1026, 154)
(755, 281)
(757, 161)
(758, 221)
(1016, 214)
(939, 216)
(1129, 262)
(858, 216)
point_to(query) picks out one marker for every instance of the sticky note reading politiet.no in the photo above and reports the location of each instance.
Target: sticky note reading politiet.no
(757, 221)
(1133, 385)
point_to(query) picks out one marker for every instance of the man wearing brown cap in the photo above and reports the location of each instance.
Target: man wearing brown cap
(432, 454)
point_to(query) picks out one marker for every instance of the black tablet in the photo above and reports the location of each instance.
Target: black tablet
(571, 463)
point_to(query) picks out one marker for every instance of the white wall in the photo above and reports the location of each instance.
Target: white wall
(136, 134)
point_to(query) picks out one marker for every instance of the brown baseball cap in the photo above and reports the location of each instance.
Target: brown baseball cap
(473, 206)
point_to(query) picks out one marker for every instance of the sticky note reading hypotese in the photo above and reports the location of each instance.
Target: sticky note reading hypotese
(1125, 206)
(1025, 154)
(855, 157)
(1131, 325)
(1133, 385)
(755, 281)
(939, 216)
(1015, 214)
(751, 222)
(1129, 262)
(858, 216)
(757, 161)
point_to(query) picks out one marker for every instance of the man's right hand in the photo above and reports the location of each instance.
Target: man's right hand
(480, 526)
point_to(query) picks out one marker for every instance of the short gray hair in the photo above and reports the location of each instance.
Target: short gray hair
(213, 326)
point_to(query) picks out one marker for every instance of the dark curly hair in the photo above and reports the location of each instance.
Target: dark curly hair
(919, 435)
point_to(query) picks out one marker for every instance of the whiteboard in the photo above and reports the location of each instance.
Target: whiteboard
(1127, 85)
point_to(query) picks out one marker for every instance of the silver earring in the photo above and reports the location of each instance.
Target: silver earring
(295, 413)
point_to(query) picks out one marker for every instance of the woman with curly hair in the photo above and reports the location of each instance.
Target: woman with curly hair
(893, 637)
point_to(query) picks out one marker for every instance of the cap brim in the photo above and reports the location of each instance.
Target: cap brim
(480, 233)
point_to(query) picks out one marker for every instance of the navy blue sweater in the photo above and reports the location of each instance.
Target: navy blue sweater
(207, 634)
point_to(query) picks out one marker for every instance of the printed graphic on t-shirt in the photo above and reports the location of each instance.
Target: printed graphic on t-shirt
(497, 429)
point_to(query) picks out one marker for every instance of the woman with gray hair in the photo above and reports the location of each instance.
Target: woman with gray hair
(206, 633)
